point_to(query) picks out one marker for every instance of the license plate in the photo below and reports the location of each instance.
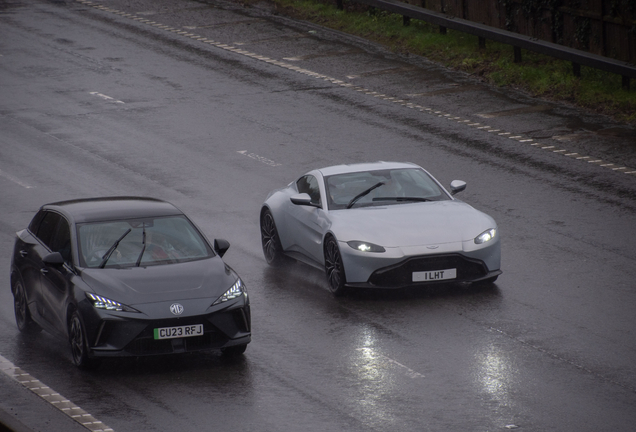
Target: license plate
(179, 332)
(434, 275)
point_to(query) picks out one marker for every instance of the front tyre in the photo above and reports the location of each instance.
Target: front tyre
(272, 248)
(22, 315)
(334, 267)
(79, 347)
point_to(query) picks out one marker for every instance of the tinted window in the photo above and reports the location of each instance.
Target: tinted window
(309, 185)
(61, 240)
(35, 222)
(47, 227)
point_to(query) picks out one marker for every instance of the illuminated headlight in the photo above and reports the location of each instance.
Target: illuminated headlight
(486, 236)
(237, 290)
(365, 246)
(104, 303)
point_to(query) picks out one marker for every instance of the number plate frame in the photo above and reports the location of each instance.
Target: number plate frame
(178, 332)
(435, 275)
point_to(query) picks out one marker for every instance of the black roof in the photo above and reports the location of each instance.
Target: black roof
(113, 208)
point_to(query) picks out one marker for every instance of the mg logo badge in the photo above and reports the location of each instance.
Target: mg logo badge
(176, 309)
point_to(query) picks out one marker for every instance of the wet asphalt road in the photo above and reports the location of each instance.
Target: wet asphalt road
(210, 106)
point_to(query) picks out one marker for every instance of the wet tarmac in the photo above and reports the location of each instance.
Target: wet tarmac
(211, 105)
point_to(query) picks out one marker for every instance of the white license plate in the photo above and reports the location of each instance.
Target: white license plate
(434, 275)
(179, 332)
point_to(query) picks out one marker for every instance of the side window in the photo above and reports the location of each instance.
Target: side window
(35, 222)
(61, 241)
(309, 185)
(47, 227)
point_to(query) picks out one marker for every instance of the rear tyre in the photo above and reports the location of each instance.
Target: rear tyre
(334, 268)
(272, 248)
(79, 347)
(21, 309)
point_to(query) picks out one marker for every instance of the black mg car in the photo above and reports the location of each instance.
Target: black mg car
(126, 276)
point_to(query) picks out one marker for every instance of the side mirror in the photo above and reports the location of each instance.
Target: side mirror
(221, 246)
(53, 259)
(302, 199)
(457, 186)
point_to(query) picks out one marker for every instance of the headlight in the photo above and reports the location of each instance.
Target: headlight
(237, 290)
(486, 236)
(365, 246)
(104, 303)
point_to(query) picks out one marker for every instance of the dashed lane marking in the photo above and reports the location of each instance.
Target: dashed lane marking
(108, 98)
(519, 138)
(51, 396)
(370, 354)
(259, 158)
(15, 180)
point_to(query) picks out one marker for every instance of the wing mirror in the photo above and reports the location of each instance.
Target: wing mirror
(457, 186)
(221, 246)
(53, 259)
(302, 199)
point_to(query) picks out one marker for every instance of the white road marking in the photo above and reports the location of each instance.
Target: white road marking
(55, 399)
(340, 83)
(108, 98)
(15, 180)
(259, 158)
(369, 352)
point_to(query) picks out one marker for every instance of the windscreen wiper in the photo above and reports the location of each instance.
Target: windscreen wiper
(143, 249)
(110, 251)
(398, 199)
(363, 193)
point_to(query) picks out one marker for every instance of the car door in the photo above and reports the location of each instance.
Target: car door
(308, 224)
(27, 259)
(54, 279)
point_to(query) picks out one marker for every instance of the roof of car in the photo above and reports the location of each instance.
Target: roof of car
(368, 166)
(112, 208)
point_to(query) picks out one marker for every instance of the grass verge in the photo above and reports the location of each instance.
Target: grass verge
(539, 75)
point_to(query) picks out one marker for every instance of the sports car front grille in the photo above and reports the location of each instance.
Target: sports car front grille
(401, 274)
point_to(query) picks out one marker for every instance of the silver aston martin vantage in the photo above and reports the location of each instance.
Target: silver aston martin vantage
(380, 225)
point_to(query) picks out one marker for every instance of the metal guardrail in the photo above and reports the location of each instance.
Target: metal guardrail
(517, 41)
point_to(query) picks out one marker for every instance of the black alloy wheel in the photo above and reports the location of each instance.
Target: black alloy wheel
(334, 267)
(22, 314)
(77, 339)
(272, 248)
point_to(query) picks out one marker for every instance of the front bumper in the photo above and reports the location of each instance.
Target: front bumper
(122, 335)
(401, 275)
(394, 268)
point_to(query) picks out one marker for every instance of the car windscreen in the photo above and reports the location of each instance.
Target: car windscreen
(142, 242)
(381, 187)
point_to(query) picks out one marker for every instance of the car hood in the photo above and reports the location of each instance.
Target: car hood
(413, 224)
(209, 278)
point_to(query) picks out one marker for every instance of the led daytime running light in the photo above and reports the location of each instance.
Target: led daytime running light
(236, 291)
(103, 303)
